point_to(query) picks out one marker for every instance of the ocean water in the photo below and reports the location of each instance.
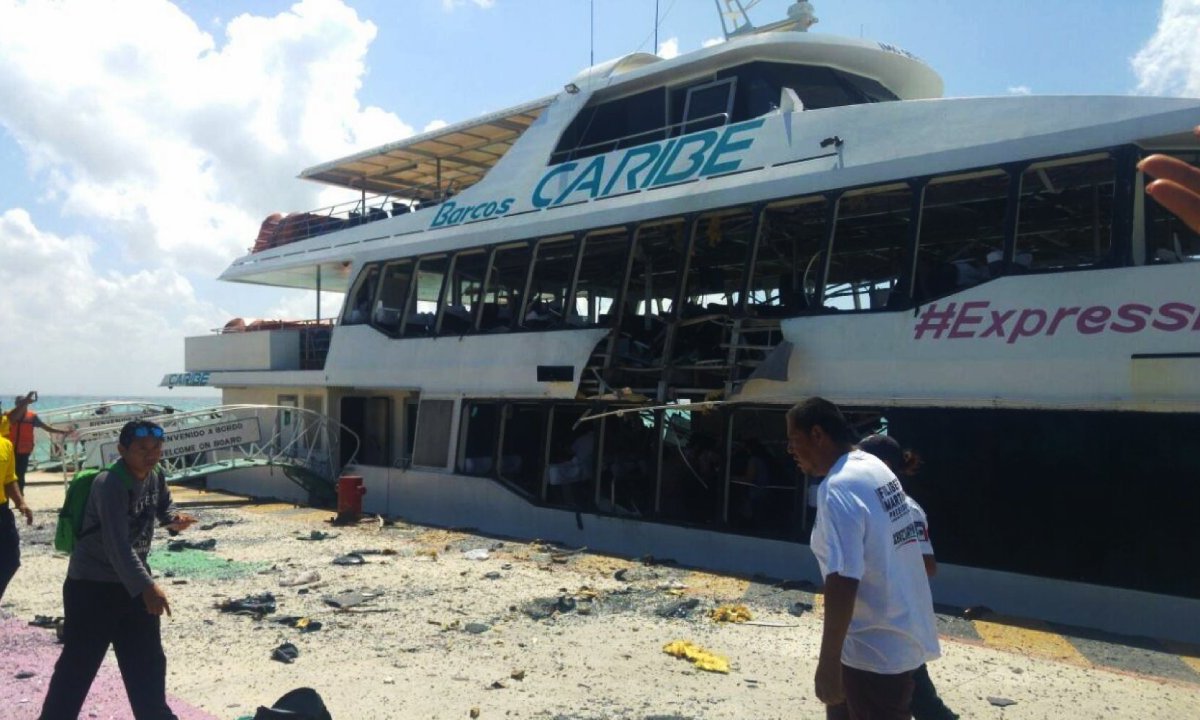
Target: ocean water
(46, 403)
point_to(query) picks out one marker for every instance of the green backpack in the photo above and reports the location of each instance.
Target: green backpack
(70, 517)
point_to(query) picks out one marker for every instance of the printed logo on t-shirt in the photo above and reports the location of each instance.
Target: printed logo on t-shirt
(922, 531)
(910, 534)
(892, 497)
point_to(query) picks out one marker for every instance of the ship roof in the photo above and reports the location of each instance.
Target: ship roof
(453, 157)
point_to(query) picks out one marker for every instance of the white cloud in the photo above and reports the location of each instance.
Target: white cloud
(712, 41)
(434, 125)
(669, 48)
(1019, 90)
(1169, 63)
(170, 146)
(71, 329)
(170, 140)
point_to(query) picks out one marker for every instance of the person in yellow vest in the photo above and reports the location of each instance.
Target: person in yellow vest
(10, 491)
(23, 420)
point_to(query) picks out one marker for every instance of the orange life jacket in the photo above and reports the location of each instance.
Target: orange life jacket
(21, 433)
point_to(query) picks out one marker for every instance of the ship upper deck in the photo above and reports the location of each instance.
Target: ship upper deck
(427, 166)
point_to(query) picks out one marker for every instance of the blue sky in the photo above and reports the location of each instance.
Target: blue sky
(137, 159)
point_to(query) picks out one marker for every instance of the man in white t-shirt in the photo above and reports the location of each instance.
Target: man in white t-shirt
(879, 624)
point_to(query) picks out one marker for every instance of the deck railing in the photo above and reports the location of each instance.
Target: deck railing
(279, 229)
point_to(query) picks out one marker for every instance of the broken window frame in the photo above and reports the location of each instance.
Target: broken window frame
(1034, 175)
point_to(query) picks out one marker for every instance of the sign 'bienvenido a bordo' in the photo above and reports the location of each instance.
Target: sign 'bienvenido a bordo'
(198, 438)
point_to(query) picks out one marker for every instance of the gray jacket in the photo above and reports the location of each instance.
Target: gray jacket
(118, 526)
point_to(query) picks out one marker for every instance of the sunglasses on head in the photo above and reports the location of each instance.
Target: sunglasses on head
(145, 431)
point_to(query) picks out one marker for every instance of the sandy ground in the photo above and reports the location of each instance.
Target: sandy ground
(528, 632)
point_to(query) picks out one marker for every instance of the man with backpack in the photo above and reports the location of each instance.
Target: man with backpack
(10, 541)
(109, 597)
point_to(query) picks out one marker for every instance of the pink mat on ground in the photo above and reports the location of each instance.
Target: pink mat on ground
(25, 649)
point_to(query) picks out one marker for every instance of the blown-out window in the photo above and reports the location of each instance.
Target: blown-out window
(422, 311)
(962, 233)
(867, 260)
(358, 307)
(553, 271)
(505, 288)
(601, 273)
(1066, 214)
(787, 265)
(393, 294)
(463, 289)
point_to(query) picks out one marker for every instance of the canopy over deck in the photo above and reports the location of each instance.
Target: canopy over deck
(426, 165)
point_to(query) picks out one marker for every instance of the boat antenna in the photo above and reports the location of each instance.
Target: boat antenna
(656, 26)
(592, 33)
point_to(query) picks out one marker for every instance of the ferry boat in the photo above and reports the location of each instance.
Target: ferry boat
(584, 317)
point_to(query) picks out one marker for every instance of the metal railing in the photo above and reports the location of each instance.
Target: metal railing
(305, 444)
(294, 227)
(49, 448)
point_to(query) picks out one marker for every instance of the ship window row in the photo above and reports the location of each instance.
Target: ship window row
(727, 96)
(884, 247)
(726, 469)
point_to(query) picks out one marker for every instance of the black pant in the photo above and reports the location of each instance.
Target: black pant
(99, 614)
(22, 468)
(926, 705)
(10, 547)
(872, 696)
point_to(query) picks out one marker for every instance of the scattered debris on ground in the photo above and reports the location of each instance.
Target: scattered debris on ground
(698, 656)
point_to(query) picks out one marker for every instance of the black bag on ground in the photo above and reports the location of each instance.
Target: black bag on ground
(299, 704)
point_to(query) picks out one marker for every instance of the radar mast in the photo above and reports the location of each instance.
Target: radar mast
(735, 18)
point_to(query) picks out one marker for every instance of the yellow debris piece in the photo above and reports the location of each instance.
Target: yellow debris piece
(731, 614)
(699, 657)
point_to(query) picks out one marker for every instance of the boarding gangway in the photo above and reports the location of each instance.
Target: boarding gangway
(305, 445)
(82, 417)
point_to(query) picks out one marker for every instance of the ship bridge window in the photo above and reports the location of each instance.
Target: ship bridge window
(866, 264)
(1066, 214)
(1168, 239)
(392, 298)
(553, 271)
(760, 86)
(731, 95)
(601, 272)
(622, 123)
(962, 232)
(789, 253)
(505, 287)
(709, 105)
(358, 305)
(422, 310)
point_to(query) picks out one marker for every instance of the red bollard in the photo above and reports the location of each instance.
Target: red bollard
(350, 493)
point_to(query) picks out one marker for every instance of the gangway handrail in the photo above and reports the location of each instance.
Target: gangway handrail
(220, 438)
(93, 414)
